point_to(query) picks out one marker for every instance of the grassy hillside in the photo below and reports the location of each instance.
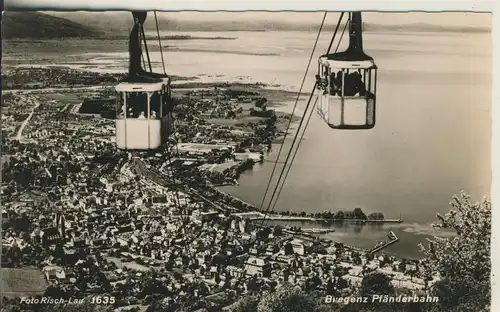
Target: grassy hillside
(23, 25)
(120, 23)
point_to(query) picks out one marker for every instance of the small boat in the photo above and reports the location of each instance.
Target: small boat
(391, 235)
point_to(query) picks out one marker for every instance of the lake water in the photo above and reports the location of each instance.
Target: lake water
(432, 137)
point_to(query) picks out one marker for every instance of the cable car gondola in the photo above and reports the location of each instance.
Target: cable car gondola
(143, 99)
(347, 83)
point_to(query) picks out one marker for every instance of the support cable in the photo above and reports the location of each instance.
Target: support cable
(305, 127)
(142, 53)
(291, 115)
(146, 47)
(172, 172)
(301, 121)
(159, 43)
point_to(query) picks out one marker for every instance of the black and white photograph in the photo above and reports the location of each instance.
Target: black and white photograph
(161, 161)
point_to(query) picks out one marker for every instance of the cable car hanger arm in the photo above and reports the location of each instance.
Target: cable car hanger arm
(355, 48)
(136, 73)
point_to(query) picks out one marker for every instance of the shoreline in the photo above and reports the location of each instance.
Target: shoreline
(190, 84)
(258, 215)
(279, 217)
(231, 174)
(177, 226)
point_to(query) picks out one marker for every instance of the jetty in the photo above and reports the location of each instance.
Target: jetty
(317, 231)
(307, 235)
(379, 247)
(262, 217)
(310, 231)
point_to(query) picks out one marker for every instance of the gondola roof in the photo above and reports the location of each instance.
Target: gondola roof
(363, 64)
(141, 87)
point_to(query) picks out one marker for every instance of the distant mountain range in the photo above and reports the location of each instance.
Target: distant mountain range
(43, 26)
(104, 24)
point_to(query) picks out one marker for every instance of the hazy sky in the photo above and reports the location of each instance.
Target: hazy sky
(445, 19)
(460, 19)
(469, 19)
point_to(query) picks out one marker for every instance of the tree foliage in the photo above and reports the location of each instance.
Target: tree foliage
(287, 299)
(278, 230)
(376, 216)
(463, 263)
(376, 283)
(359, 214)
(247, 304)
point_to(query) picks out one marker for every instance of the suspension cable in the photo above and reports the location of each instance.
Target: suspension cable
(159, 43)
(295, 154)
(146, 47)
(142, 52)
(172, 173)
(174, 135)
(288, 126)
(174, 183)
(289, 153)
(291, 115)
(297, 133)
(293, 157)
(307, 123)
(342, 34)
(170, 151)
(335, 33)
